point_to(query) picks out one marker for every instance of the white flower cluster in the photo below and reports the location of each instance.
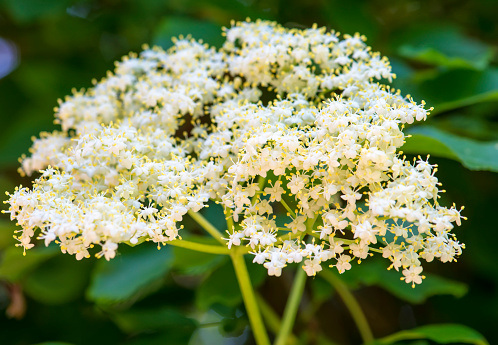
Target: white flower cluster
(277, 121)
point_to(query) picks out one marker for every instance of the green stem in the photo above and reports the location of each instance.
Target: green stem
(200, 247)
(229, 219)
(287, 207)
(376, 250)
(290, 236)
(352, 305)
(291, 307)
(261, 184)
(345, 240)
(206, 225)
(257, 325)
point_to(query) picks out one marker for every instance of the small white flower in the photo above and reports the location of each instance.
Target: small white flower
(311, 267)
(343, 263)
(412, 275)
(119, 171)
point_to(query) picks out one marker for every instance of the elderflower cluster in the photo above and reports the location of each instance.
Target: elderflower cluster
(278, 121)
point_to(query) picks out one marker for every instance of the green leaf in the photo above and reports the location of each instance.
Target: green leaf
(160, 338)
(451, 89)
(221, 285)
(53, 343)
(321, 290)
(129, 274)
(212, 214)
(441, 334)
(459, 88)
(375, 273)
(444, 46)
(58, 280)
(473, 154)
(350, 17)
(432, 285)
(29, 10)
(7, 183)
(473, 126)
(233, 327)
(42, 82)
(165, 318)
(7, 229)
(14, 266)
(191, 262)
(175, 26)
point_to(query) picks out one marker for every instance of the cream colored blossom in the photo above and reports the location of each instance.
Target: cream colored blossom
(169, 132)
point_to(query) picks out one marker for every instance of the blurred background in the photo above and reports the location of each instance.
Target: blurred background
(444, 52)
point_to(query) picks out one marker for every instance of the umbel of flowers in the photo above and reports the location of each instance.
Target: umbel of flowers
(294, 120)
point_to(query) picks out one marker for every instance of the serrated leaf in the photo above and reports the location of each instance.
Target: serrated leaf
(441, 334)
(473, 154)
(125, 276)
(221, 285)
(375, 273)
(175, 26)
(444, 46)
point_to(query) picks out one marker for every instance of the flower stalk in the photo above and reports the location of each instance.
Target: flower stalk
(352, 305)
(200, 247)
(248, 295)
(291, 307)
(206, 225)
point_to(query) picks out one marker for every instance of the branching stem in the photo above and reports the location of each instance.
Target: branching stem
(287, 207)
(351, 303)
(206, 225)
(200, 247)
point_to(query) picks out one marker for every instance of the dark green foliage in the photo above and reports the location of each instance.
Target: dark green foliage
(221, 285)
(473, 154)
(441, 334)
(373, 272)
(129, 275)
(169, 27)
(443, 52)
(445, 46)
